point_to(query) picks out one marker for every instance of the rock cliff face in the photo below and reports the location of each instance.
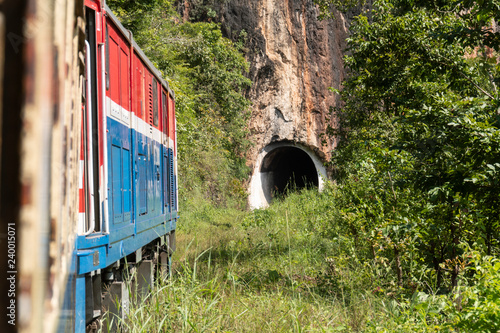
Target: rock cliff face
(294, 59)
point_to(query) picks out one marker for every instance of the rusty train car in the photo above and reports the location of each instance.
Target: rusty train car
(93, 202)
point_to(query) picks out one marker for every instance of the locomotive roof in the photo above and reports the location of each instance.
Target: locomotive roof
(144, 58)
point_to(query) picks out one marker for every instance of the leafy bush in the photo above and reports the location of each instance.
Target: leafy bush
(417, 159)
(476, 306)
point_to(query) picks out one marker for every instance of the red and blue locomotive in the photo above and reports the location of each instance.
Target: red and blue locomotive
(128, 171)
(88, 169)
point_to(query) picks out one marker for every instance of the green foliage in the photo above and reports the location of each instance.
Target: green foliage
(205, 10)
(417, 160)
(404, 241)
(471, 308)
(265, 270)
(328, 7)
(421, 107)
(206, 72)
(296, 267)
(476, 308)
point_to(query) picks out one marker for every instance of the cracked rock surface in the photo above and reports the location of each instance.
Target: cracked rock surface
(294, 58)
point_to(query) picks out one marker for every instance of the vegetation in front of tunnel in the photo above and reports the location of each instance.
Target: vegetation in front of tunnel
(406, 240)
(306, 264)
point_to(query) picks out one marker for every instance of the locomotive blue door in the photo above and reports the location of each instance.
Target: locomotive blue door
(157, 178)
(119, 137)
(142, 188)
(151, 183)
(144, 170)
(117, 176)
(155, 154)
(142, 174)
(121, 184)
(120, 175)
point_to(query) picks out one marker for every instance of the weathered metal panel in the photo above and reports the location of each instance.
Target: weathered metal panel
(49, 160)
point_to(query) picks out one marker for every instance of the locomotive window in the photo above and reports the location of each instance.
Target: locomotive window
(155, 102)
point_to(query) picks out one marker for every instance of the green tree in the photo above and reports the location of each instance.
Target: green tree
(206, 72)
(422, 84)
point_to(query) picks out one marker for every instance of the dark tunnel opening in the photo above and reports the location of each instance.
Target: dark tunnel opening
(287, 168)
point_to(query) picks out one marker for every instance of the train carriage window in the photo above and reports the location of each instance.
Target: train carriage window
(155, 102)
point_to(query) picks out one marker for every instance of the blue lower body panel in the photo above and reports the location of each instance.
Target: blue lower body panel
(141, 198)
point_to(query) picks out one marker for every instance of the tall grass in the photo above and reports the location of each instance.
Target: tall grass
(283, 269)
(261, 271)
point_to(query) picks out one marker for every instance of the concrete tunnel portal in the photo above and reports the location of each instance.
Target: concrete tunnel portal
(288, 168)
(281, 167)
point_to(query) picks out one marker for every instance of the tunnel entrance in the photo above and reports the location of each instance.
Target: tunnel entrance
(286, 169)
(284, 166)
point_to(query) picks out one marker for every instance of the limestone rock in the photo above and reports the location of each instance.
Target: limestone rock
(294, 58)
